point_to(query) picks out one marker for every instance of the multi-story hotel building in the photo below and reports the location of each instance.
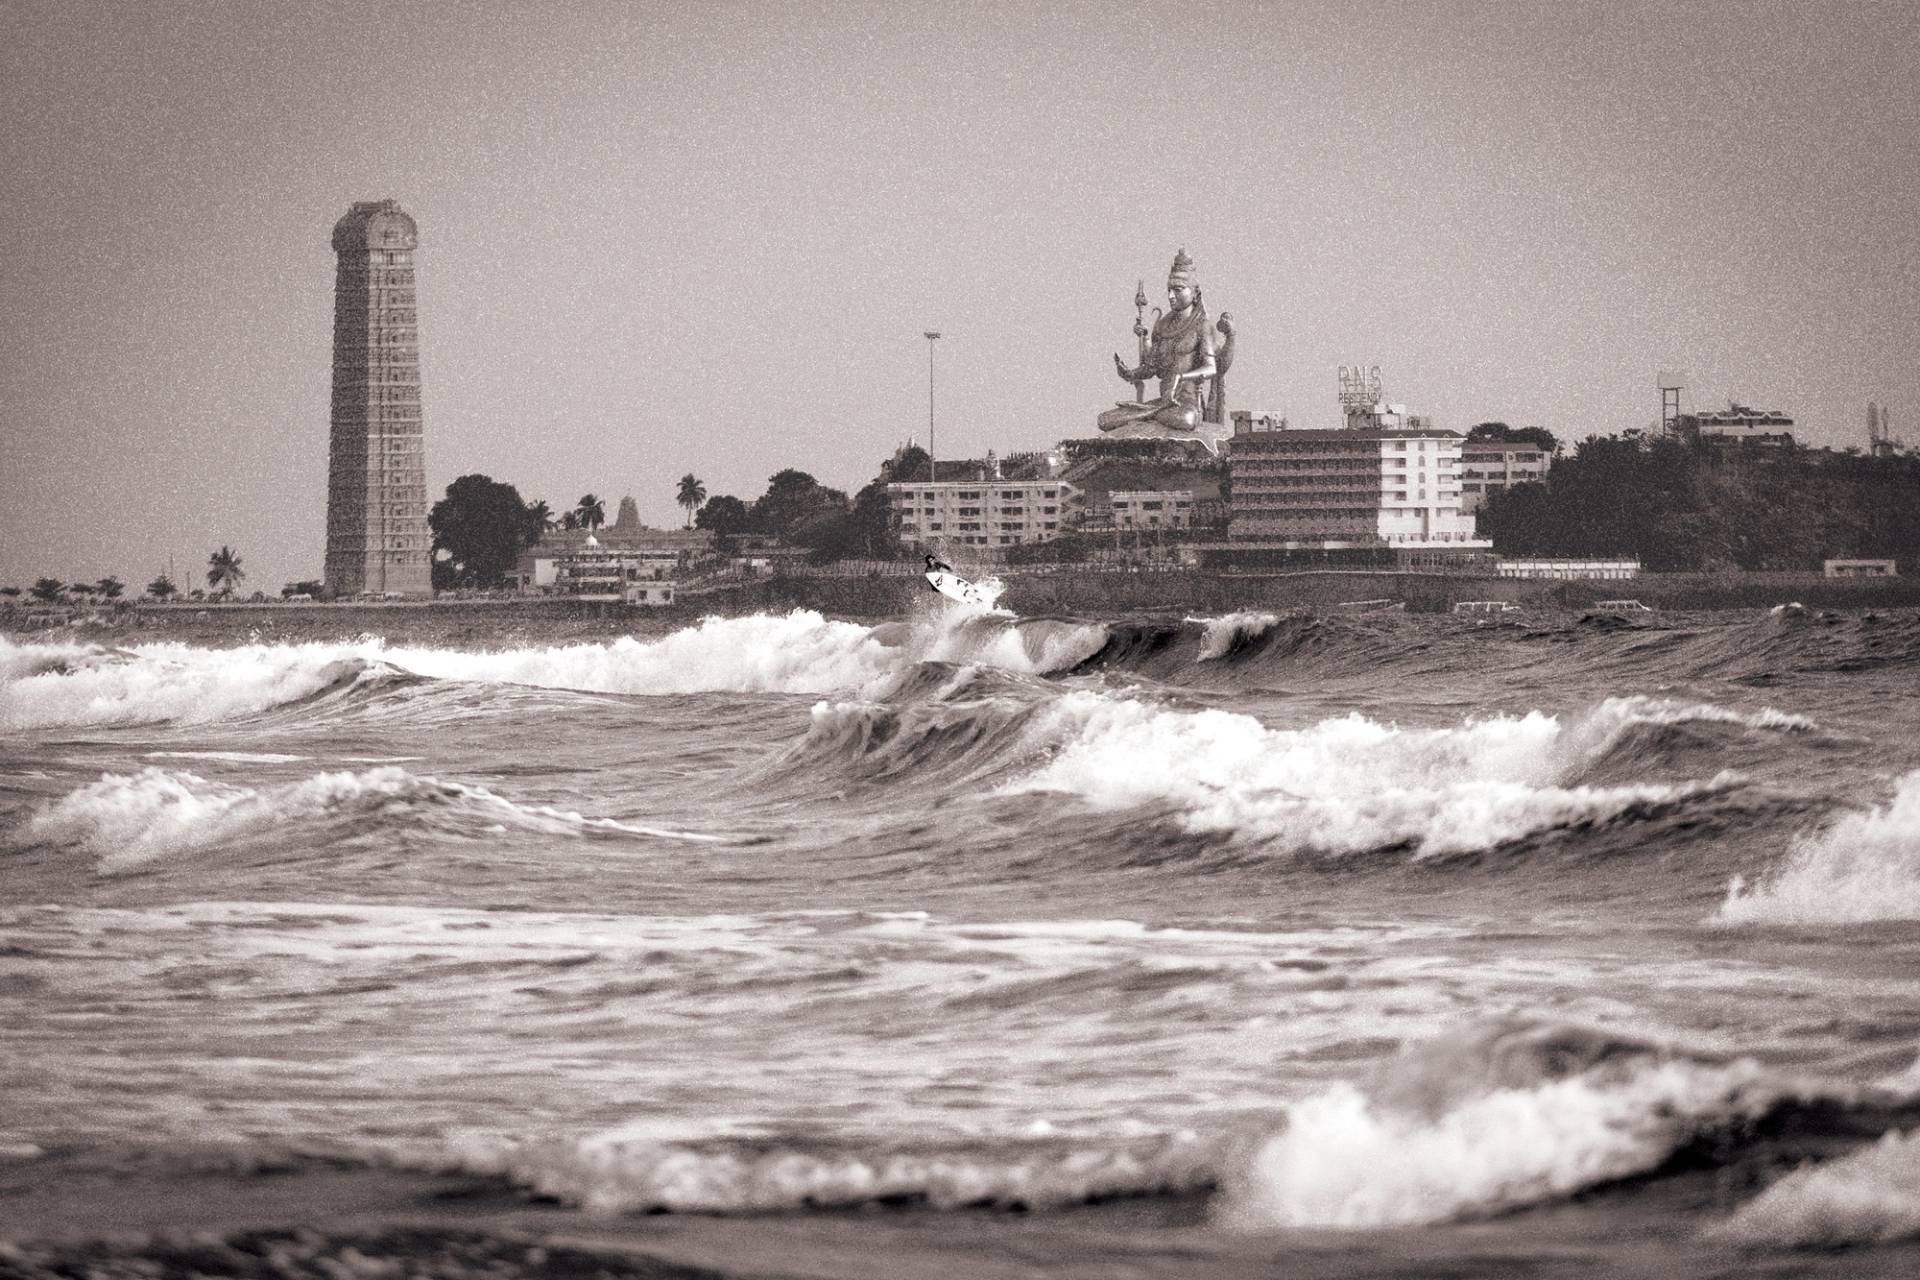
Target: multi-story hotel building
(981, 513)
(377, 537)
(1488, 466)
(1374, 488)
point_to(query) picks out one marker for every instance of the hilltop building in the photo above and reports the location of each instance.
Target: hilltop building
(1490, 466)
(988, 513)
(1736, 425)
(377, 537)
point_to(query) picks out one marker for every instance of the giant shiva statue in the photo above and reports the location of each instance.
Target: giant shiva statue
(1181, 355)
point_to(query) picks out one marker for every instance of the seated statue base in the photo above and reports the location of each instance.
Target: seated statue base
(1208, 435)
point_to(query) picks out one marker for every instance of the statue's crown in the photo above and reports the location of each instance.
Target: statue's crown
(1182, 272)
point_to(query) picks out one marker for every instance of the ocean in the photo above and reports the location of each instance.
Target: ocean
(972, 944)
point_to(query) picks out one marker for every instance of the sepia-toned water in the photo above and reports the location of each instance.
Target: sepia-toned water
(1393, 942)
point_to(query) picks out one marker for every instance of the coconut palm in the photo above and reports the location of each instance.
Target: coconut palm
(223, 570)
(692, 494)
(540, 519)
(592, 511)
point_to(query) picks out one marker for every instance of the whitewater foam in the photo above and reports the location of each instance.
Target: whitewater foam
(1510, 1119)
(70, 685)
(1864, 866)
(129, 821)
(1869, 1196)
(614, 1173)
(1342, 786)
(1222, 634)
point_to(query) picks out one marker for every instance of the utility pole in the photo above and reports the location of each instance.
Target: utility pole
(933, 336)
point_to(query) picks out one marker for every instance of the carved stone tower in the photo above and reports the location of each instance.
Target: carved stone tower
(377, 537)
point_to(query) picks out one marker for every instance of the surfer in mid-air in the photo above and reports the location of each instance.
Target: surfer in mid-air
(938, 566)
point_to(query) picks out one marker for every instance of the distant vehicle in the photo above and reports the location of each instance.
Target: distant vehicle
(297, 596)
(1485, 606)
(1622, 606)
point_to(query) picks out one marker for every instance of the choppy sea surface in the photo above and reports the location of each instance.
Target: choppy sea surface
(1380, 932)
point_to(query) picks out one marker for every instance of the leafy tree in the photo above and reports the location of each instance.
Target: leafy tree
(591, 511)
(9, 591)
(540, 519)
(482, 526)
(161, 587)
(223, 570)
(796, 507)
(724, 515)
(48, 590)
(1500, 431)
(909, 465)
(110, 587)
(692, 494)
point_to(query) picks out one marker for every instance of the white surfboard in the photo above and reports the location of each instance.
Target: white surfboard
(955, 587)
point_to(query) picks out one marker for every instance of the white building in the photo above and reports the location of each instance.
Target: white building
(595, 572)
(981, 513)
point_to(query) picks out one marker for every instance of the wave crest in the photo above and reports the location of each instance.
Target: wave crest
(611, 1173)
(1864, 866)
(129, 821)
(1342, 786)
(1503, 1118)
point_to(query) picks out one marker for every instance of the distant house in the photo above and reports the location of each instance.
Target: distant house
(1860, 569)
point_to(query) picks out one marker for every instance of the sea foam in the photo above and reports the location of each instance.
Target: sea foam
(1864, 866)
(47, 686)
(612, 1173)
(1869, 1196)
(130, 820)
(1511, 1118)
(1341, 786)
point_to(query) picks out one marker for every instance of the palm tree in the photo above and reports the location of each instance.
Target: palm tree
(692, 494)
(110, 587)
(161, 587)
(223, 570)
(540, 518)
(592, 511)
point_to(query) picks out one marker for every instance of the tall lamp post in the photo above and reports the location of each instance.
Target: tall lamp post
(933, 336)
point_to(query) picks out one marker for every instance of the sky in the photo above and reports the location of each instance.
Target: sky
(668, 238)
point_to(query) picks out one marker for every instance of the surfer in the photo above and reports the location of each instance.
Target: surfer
(939, 566)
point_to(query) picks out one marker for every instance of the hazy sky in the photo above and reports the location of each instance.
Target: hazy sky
(707, 237)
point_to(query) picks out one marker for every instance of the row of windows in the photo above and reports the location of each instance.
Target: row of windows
(974, 495)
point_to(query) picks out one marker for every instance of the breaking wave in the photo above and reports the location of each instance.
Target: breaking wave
(1864, 866)
(130, 821)
(612, 1173)
(1342, 786)
(1500, 1118)
(48, 686)
(1871, 1196)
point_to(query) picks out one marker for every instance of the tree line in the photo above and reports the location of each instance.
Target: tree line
(1684, 507)
(483, 525)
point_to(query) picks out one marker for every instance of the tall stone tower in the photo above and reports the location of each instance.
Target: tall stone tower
(377, 537)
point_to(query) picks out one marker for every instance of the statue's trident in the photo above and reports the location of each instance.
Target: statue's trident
(1140, 332)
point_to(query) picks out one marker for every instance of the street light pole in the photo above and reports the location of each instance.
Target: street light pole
(933, 336)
